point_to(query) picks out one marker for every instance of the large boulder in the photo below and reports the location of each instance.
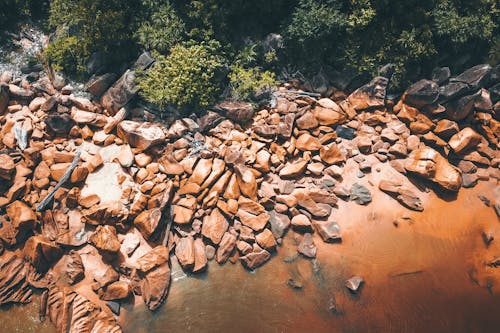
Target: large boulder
(98, 85)
(120, 93)
(464, 141)
(140, 135)
(371, 95)
(476, 77)
(422, 93)
(240, 112)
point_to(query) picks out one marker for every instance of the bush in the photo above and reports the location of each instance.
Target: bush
(251, 84)
(68, 54)
(189, 77)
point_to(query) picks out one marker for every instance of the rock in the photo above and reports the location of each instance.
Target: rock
(360, 194)
(117, 290)
(200, 256)
(345, 132)
(182, 215)
(371, 95)
(307, 142)
(170, 166)
(246, 181)
(446, 128)
(331, 154)
(240, 112)
(293, 169)
(153, 259)
(75, 269)
(184, 251)
(402, 193)
(422, 93)
(7, 167)
(328, 230)
(14, 286)
(120, 93)
(149, 222)
(460, 108)
(301, 221)
(330, 114)
(125, 157)
(307, 246)
(476, 77)
(155, 285)
(4, 98)
(82, 117)
(428, 163)
(285, 126)
(305, 201)
(266, 240)
(112, 212)
(256, 222)
(214, 226)
(130, 243)
(364, 144)
(469, 180)
(20, 93)
(105, 239)
(140, 135)
(226, 246)
(22, 217)
(441, 74)
(307, 121)
(464, 141)
(452, 90)
(279, 223)
(255, 259)
(354, 283)
(41, 253)
(98, 85)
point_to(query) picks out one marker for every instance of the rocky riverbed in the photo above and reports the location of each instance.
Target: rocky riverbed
(139, 195)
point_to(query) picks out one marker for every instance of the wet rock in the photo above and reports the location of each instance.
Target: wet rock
(360, 194)
(74, 268)
(153, 259)
(464, 141)
(354, 283)
(422, 93)
(371, 95)
(184, 251)
(476, 77)
(200, 256)
(266, 240)
(214, 226)
(279, 223)
(117, 290)
(240, 112)
(255, 259)
(402, 193)
(105, 239)
(41, 252)
(155, 285)
(148, 222)
(140, 135)
(14, 287)
(307, 246)
(59, 124)
(428, 163)
(226, 246)
(120, 93)
(328, 230)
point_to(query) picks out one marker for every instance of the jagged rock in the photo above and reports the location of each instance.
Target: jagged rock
(301, 221)
(279, 223)
(256, 222)
(4, 98)
(307, 121)
(214, 226)
(307, 142)
(98, 85)
(237, 111)
(402, 193)
(476, 77)
(14, 287)
(182, 215)
(428, 163)
(371, 95)
(255, 259)
(441, 74)
(306, 202)
(360, 194)
(75, 269)
(82, 117)
(354, 283)
(7, 167)
(452, 90)
(294, 169)
(22, 217)
(106, 277)
(140, 135)
(307, 246)
(41, 252)
(117, 290)
(184, 251)
(328, 113)
(266, 240)
(153, 259)
(226, 246)
(155, 285)
(331, 154)
(446, 128)
(170, 166)
(200, 256)
(464, 141)
(328, 230)
(422, 93)
(120, 93)
(112, 212)
(460, 108)
(105, 239)
(148, 222)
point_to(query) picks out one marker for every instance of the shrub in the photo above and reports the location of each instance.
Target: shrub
(250, 84)
(68, 54)
(189, 77)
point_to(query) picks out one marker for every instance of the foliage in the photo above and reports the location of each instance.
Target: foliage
(66, 53)
(250, 84)
(12, 11)
(187, 77)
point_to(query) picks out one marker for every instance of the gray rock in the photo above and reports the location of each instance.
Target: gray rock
(476, 77)
(120, 93)
(360, 194)
(354, 283)
(421, 93)
(441, 74)
(328, 230)
(452, 90)
(279, 223)
(98, 85)
(460, 108)
(307, 246)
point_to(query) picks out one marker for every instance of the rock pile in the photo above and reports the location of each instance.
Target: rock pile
(226, 185)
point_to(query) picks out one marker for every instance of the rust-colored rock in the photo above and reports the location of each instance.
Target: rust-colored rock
(185, 252)
(140, 135)
(105, 239)
(226, 246)
(41, 252)
(464, 141)
(148, 222)
(117, 290)
(214, 226)
(7, 167)
(331, 154)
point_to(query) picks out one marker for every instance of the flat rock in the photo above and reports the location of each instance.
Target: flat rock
(255, 259)
(360, 194)
(464, 141)
(331, 154)
(328, 230)
(117, 290)
(307, 247)
(153, 259)
(184, 251)
(148, 222)
(371, 95)
(226, 246)
(214, 226)
(105, 239)
(140, 135)
(293, 169)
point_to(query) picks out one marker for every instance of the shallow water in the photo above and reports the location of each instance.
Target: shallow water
(428, 275)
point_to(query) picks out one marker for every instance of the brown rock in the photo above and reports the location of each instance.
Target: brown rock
(307, 142)
(266, 239)
(88, 118)
(246, 181)
(464, 141)
(22, 217)
(7, 167)
(79, 174)
(226, 246)
(154, 258)
(184, 251)
(428, 163)
(402, 193)
(256, 222)
(112, 212)
(331, 154)
(201, 171)
(182, 215)
(446, 128)
(148, 222)
(294, 169)
(237, 111)
(14, 286)
(41, 252)
(117, 290)
(125, 157)
(255, 259)
(329, 116)
(301, 221)
(214, 226)
(140, 135)
(306, 202)
(120, 93)
(371, 95)
(155, 285)
(307, 121)
(364, 144)
(200, 256)
(105, 239)
(75, 269)
(307, 246)
(328, 230)
(170, 166)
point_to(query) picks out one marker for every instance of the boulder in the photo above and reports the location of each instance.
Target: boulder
(99, 84)
(120, 93)
(422, 93)
(41, 253)
(140, 135)
(476, 77)
(371, 95)
(154, 286)
(464, 141)
(460, 108)
(105, 239)
(240, 112)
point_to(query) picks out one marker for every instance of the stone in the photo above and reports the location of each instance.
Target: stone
(331, 154)
(256, 222)
(441, 74)
(154, 286)
(7, 167)
(182, 215)
(421, 93)
(201, 171)
(214, 226)
(170, 166)
(446, 128)
(266, 240)
(301, 221)
(345, 132)
(307, 247)
(285, 126)
(112, 212)
(246, 181)
(99, 84)
(41, 252)
(240, 112)
(82, 117)
(74, 268)
(464, 141)
(200, 256)
(105, 239)
(429, 164)
(460, 108)
(360, 194)
(153, 259)
(21, 216)
(307, 121)
(120, 93)
(279, 223)
(329, 116)
(125, 157)
(117, 290)
(20, 93)
(371, 95)
(403, 194)
(354, 283)
(149, 222)
(307, 142)
(306, 202)
(364, 144)
(184, 251)
(140, 135)
(255, 259)
(293, 169)
(4, 98)
(469, 180)
(476, 77)
(328, 230)
(226, 246)
(130, 243)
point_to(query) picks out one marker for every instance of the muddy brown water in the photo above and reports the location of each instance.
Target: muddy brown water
(425, 275)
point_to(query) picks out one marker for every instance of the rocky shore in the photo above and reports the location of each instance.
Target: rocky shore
(98, 196)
